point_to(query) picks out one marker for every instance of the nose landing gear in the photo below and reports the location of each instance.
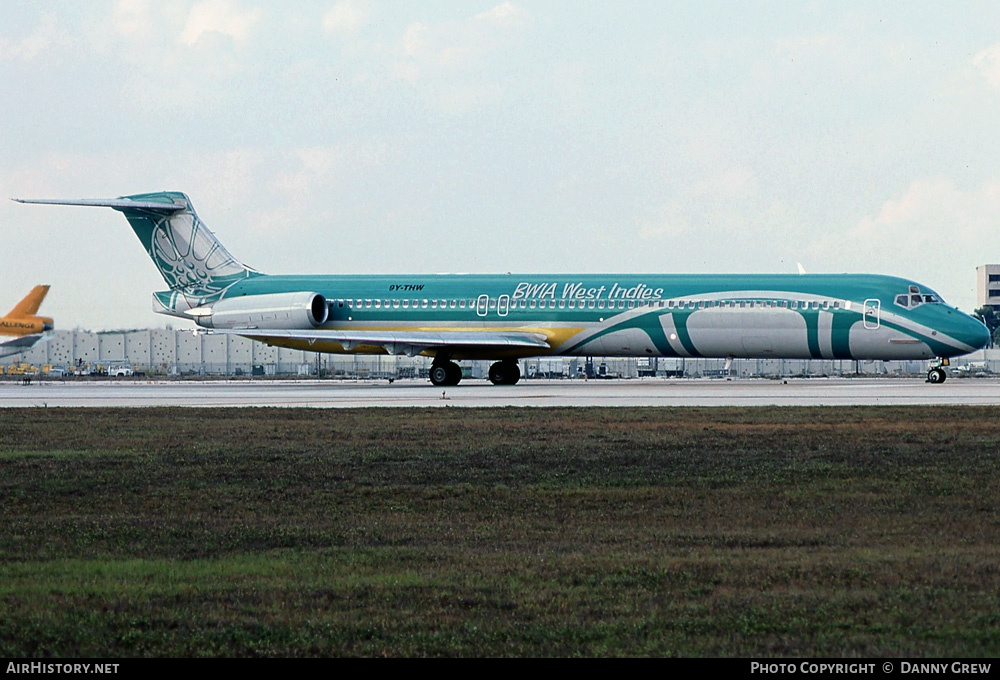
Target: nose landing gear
(938, 374)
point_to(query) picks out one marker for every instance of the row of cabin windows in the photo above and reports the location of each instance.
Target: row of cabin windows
(585, 304)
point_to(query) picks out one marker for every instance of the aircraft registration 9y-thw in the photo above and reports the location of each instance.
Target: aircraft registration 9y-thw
(23, 323)
(451, 317)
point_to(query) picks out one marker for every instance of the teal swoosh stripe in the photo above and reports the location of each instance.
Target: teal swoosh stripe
(655, 333)
(841, 334)
(812, 332)
(680, 323)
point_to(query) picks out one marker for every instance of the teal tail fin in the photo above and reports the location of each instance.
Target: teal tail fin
(190, 259)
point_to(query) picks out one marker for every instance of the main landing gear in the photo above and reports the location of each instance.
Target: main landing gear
(505, 373)
(445, 373)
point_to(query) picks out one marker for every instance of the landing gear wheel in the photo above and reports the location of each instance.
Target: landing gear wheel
(936, 375)
(445, 374)
(439, 374)
(505, 373)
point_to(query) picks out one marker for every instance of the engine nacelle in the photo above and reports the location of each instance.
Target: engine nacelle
(289, 311)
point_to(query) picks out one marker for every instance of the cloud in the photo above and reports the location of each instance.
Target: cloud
(223, 17)
(505, 14)
(132, 18)
(937, 231)
(930, 210)
(987, 62)
(461, 66)
(664, 228)
(344, 18)
(46, 36)
(434, 50)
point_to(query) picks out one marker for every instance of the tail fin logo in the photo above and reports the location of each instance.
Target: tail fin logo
(189, 256)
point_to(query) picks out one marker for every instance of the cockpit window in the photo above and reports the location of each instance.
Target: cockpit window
(914, 298)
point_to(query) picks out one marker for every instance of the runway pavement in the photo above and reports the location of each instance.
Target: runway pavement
(402, 393)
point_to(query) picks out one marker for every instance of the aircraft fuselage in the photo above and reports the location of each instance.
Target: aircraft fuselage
(810, 316)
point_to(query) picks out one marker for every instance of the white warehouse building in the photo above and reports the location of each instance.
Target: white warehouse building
(170, 352)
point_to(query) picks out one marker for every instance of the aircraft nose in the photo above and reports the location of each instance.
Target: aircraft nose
(974, 333)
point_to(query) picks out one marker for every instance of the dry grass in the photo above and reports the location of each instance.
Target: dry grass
(495, 532)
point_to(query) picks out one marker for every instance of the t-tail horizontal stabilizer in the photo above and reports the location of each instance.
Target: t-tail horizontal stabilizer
(116, 203)
(189, 257)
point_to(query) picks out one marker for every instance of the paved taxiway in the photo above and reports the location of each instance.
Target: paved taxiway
(619, 393)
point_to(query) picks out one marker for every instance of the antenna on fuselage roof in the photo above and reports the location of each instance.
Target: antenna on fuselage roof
(802, 270)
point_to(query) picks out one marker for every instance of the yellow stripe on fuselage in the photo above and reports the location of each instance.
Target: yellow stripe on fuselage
(555, 336)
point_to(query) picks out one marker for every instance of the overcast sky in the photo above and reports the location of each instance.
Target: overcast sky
(477, 136)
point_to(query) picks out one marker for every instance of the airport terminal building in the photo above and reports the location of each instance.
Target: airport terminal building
(172, 352)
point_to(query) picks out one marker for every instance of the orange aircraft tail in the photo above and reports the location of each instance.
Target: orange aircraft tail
(30, 304)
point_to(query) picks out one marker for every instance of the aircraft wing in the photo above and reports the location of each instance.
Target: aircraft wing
(402, 342)
(18, 345)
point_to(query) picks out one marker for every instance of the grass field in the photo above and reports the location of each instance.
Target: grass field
(500, 532)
